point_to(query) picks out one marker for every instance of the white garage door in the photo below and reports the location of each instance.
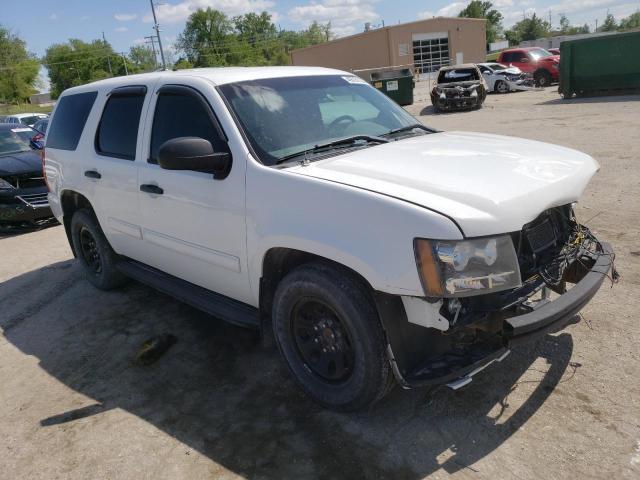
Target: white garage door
(430, 51)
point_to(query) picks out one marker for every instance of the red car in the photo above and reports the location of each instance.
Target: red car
(554, 51)
(543, 65)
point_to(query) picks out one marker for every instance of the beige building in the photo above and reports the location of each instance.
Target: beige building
(425, 46)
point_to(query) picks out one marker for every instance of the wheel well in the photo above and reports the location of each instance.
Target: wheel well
(542, 71)
(278, 262)
(71, 202)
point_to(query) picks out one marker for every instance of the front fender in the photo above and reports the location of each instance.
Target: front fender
(365, 231)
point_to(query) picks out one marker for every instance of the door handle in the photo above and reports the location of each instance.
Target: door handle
(148, 188)
(92, 174)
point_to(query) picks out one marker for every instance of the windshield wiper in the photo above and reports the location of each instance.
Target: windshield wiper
(339, 143)
(408, 128)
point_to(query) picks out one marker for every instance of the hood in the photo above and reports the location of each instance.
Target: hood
(510, 70)
(488, 184)
(20, 163)
(552, 58)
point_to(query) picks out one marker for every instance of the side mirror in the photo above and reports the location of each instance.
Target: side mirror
(524, 60)
(193, 153)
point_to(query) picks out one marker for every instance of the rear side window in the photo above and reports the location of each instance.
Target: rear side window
(68, 122)
(117, 133)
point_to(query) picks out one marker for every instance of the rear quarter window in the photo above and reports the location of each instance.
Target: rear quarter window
(118, 129)
(69, 120)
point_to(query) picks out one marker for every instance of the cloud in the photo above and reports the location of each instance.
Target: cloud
(122, 29)
(346, 16)
(451, 10)
(125, 17)
(571, 6)
(53, 16)
(175, 13)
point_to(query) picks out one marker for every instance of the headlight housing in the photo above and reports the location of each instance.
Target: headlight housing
(4, 185)
(463, 268)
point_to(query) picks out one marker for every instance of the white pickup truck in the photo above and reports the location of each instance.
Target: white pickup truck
(381, 250)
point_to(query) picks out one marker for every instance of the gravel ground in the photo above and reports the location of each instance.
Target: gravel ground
(220, 404)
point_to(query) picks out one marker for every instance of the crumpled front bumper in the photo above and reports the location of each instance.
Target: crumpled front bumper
(457, 370)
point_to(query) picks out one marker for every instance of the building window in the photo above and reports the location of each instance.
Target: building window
(430, 52)
(403, 49)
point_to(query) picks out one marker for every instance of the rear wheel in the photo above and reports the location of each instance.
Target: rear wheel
(94, 252)
(327, 329)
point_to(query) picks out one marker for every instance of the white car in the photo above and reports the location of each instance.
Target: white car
(28, 119)
(503, 79)
(381, 250)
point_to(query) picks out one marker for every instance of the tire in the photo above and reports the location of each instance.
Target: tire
(94, 252)
(501, 87)
(542, 78)
(320, 308)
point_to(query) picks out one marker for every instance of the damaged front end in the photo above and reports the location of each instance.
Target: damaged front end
(463, 96)
(560, 267)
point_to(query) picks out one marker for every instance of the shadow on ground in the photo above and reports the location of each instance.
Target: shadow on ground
(600, 98)
(223, 392)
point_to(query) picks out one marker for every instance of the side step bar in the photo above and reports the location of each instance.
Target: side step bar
(214, 304)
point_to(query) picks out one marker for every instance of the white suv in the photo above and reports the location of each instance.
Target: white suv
(381, 250)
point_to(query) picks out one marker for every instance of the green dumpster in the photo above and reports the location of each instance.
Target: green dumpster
(600, 64)
(396, 84)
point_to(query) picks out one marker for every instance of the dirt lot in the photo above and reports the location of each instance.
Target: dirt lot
(220, 404)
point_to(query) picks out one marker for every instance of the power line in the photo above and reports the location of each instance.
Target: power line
(108, 59)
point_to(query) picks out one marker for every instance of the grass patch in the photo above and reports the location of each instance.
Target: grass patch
(24, 108)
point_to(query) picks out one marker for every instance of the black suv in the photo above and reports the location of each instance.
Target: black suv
(23, 191)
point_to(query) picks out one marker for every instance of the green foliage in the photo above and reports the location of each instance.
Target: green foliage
(567, 29)
(77, 62)
(528, 29)
(632, 21)
(141, 59)
(18, 69)
(210, 38)
(609, 24)
(480, 9)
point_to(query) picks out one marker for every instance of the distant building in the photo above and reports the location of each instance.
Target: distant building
(42, 99)
(424, 46)
(554, 42)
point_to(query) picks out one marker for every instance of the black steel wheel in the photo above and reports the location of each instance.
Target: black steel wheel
(94, 252)
(542, 78)
(327, 329)
(322, 340)
(89, 250)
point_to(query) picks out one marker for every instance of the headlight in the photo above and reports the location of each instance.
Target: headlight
(4, 185)
(467, 267)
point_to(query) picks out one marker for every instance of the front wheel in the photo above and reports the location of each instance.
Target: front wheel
(501, 87)
(327, 329)
(542, 78)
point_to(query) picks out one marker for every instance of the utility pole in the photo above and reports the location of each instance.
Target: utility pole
(156, 27)
(108, 57)
(153, 49)
(124, 60)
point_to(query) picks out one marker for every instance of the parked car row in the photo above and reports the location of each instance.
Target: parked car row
(28, 119)
(464, 87)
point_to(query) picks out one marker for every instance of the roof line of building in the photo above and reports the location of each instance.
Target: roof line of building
(388, 27)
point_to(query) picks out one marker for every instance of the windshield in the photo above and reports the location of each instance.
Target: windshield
(539, 53)
(15, 140)
(30, 120)
(285, 116)
(458, 75)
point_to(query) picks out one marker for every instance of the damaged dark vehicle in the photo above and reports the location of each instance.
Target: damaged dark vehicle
(461, 87)
(23, 191)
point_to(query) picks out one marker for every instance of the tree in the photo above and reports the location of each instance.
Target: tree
(564, 24)
(632, 21)
(18, 68)
(528, 29)
(480, 9)
(77, 62)
(609, 24)
(210, 38)
(141, 59)
(206, 37)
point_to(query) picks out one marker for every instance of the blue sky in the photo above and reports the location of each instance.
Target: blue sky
(127, 22)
